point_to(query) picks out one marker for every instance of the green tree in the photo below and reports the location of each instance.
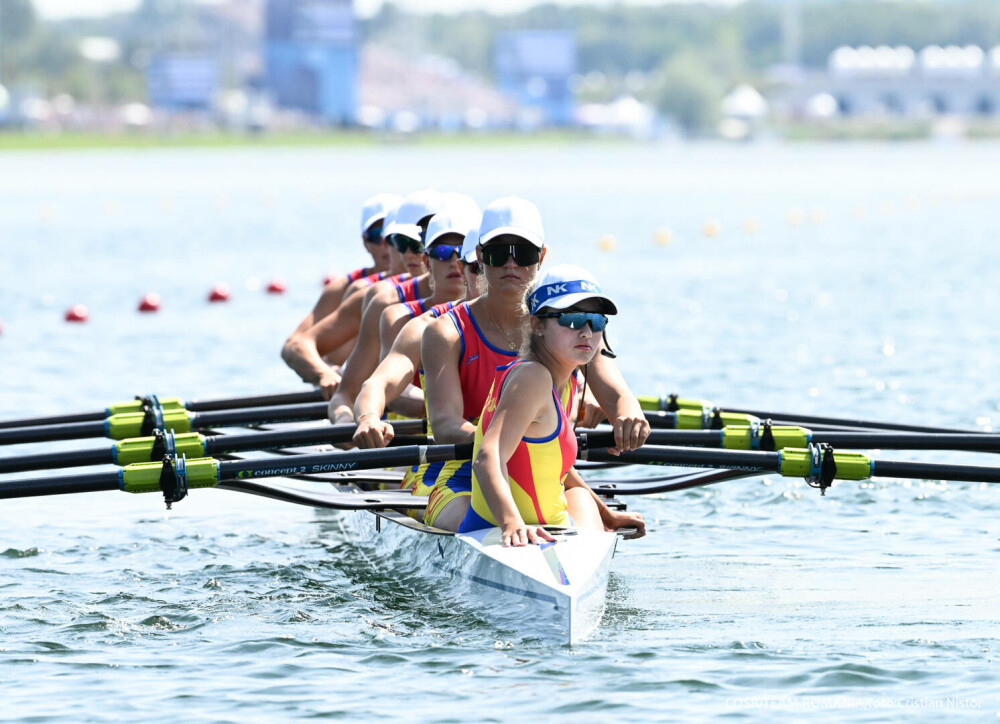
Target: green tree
(689, 92)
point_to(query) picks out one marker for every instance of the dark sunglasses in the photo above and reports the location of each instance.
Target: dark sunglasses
(373, 234)
(498, 254)
(404, 244)
(474, 266)
(576, 320)
(444, 252)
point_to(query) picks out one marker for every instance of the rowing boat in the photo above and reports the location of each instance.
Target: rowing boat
(555, 590)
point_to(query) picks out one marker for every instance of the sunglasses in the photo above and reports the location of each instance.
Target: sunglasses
(373, 234)
(404, 244)
(498, 254)
(444, 252)
(474, 266)
(576, 320)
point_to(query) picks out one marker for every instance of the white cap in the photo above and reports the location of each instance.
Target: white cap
(415, 208)
(563, 286)
(512, 215)
(459, 215)
(377, 207)
(469, 246)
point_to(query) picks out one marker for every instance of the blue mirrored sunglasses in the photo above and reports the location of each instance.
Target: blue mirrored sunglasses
(444, 252)
(576, 320)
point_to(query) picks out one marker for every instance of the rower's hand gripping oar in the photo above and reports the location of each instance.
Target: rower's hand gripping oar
(194, 445)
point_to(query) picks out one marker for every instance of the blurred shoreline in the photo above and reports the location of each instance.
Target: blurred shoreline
(188, 138)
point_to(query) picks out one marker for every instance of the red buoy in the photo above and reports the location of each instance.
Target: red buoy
(328, 278)
(276, 286)
(77, 313)
(150, 302)
(219, 293)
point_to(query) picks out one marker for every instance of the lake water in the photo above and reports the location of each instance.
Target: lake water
(852, 280)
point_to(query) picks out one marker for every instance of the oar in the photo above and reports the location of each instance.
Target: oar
(673, 403)
(173, 403)
(774, 437)
(175, 476)
(140, 424)
(818, 464)
(196, 445)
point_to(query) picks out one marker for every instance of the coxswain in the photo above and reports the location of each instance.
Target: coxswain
(525, 445)
(462, 350)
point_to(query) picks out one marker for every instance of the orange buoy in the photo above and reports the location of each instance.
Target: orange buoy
(77, 313)
(276, 286)
(219, 293)
(150, 302)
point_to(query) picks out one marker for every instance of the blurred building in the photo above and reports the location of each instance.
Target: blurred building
(182, 82)
(535, 68)
(405, 94)
(877, 82)
(311, 57)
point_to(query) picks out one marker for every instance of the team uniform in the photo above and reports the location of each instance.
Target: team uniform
(477, 365)
(371, 279)
(536, 470)
(361, 273)
(408, 290)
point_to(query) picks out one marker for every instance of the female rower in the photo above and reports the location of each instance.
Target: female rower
(373, 217)
(305, 351)
(462, 350)
(445, 235)
(525, 445)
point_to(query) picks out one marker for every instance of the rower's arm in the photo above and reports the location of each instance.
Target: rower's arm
(328, 301)
(611, 519)
(360, 364)
(304, 351)
(387, 382)
(619, 404)
(527, 390)
(440, 350)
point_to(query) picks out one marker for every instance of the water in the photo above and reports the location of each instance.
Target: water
(868, 290)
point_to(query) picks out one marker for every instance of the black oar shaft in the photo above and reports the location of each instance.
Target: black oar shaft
(260, 415)
(45, 461)
(342, 461)
(277, 439)
(817, 420)
(693, 458)
(70, 431)
(54, 419)
(233, 403)
(86, 483)
(935, 471)
(969, 441)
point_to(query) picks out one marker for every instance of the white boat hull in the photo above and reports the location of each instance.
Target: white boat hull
(556, 591)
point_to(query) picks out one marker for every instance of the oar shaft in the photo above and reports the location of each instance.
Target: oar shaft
(233, 403)
(86, 483)
(935, 471)
(342, 461)
(54, 419)
(46, 461)
(794, 419)
(969, 441)
(260, 415)
(70, 431)
(274, 440)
